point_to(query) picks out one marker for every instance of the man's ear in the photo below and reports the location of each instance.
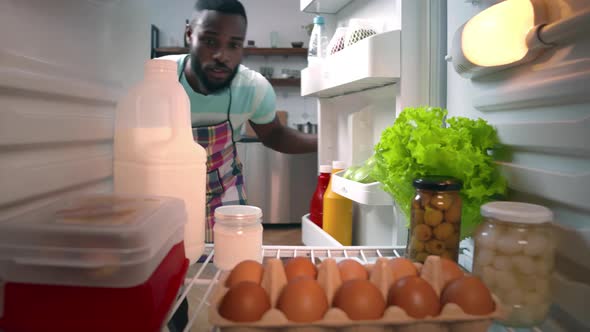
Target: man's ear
(188, 33)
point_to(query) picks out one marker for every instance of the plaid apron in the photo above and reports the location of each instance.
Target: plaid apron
(225, 183)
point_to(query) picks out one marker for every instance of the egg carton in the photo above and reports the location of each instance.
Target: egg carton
(451, 319)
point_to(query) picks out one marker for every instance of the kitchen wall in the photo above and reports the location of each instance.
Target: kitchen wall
(264, 16)
(542, 113)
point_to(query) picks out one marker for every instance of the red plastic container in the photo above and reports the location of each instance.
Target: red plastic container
(43, 308)
(102, 263)
(317, 200)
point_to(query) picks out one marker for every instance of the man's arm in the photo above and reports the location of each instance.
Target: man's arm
(284, 139)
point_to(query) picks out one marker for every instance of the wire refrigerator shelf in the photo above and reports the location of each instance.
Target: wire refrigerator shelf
(203, 276)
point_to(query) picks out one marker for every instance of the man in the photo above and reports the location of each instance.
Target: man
(224, 95)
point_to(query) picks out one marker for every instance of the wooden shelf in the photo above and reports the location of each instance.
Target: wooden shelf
(285, 81)
(291, 51)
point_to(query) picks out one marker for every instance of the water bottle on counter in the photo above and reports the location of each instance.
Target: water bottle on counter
(318, 42)
(316, 212)
(154, 150)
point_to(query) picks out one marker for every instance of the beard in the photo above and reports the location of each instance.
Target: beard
(212, 86)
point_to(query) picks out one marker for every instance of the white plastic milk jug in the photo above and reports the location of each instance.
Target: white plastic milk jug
(155, 153)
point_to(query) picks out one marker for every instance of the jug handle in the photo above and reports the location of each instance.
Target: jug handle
(177, 123)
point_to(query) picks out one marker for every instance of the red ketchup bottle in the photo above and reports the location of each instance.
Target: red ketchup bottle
(317, 200)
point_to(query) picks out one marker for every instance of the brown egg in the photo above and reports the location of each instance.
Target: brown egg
(245, 302)
(351, 270)
(450, 271)
(402, 267)
(360, 300)
(415, 296)
(303, 300)
(300, 266)
(470, 294)
(248, 270)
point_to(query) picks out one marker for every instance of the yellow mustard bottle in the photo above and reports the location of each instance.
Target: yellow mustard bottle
(337, 211)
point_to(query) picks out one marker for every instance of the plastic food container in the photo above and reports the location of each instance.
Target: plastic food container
(514, 256)
(95, 263)
(238, 235)
(435, 218)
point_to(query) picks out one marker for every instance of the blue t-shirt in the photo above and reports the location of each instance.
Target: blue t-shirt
(252, 98)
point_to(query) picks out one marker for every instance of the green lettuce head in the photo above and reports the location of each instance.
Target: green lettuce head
(421, 143)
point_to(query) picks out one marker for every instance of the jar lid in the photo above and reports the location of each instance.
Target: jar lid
(241, 213)
(438, 182)
(517, 212)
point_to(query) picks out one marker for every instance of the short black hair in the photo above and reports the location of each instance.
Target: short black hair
(223, 6)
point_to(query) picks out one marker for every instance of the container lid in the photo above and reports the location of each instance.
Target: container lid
(338, 164)
(318, 20)
(325, 169)
(240, 214)
(518, 212)
(438, 182)
(91, 231)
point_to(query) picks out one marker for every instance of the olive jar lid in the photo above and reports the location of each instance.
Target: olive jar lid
(438, 182)
(518, 212)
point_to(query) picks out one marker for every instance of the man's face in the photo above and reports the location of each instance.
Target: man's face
(216, 44)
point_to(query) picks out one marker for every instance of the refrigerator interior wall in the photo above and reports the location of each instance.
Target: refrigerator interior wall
(63, 64)
(542, 113)
(350, 125)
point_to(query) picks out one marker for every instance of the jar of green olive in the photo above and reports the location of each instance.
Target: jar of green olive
(435, 220)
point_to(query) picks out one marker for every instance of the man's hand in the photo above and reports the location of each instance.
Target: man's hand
(284, 139)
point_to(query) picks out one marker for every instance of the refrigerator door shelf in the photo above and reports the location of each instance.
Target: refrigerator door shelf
(369, 63)
(363, 193)
(312, 235)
